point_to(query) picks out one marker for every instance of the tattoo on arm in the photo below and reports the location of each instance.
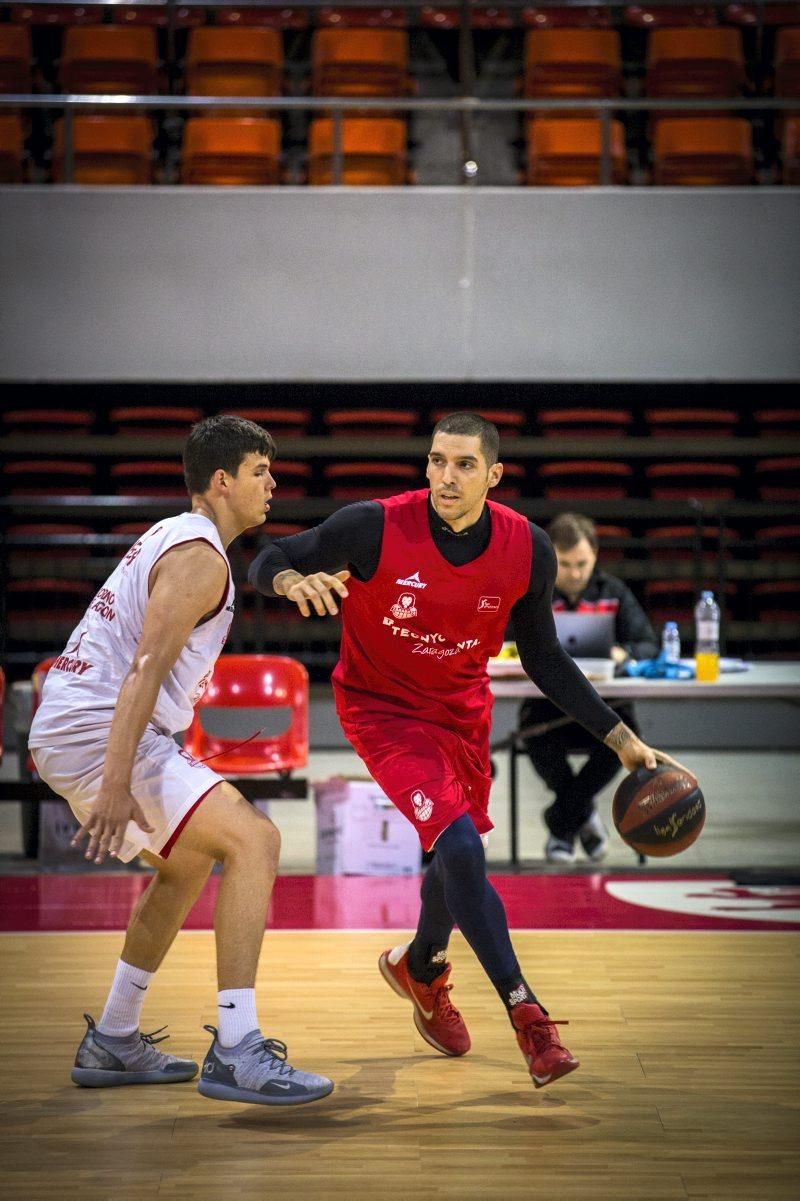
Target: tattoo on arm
(617, 738)
(284, 580)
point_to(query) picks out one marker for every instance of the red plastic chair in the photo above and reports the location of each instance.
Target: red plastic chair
(572, 64)
(510, 486)
(15, 58)
(110, 58)
(263, 18)
(778, 479)
(49, 477)
(659, 16)
(148, 477)
(371, 423)
(566, 152)
(46, 421)
(594, 479)
(362, 18)
(703, 152)
(183, 18)
(707, 481)
(254, 682)
(292, 479)
(48, 551)
(584, 423)
(676, 543)
(763, 14)
(608, 535)
(691, 423)
(771, 422)
(779, 542)
(369, 481)
(154, 420)
(778, 600)
(509, 422)
(281, 423)
(693, 61)
(57, 14)
(479, 18)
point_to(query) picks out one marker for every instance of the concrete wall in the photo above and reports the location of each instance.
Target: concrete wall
(418, 284)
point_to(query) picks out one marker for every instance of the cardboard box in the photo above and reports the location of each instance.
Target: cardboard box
(360, 833)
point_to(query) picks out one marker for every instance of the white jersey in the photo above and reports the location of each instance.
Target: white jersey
(82, 686)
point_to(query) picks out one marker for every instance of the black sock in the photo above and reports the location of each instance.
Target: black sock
(426, 963)
(514, 990)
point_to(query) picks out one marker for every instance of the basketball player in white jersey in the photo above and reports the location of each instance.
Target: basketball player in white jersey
(103, 739)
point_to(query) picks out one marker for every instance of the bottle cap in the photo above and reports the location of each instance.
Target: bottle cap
(706, 595)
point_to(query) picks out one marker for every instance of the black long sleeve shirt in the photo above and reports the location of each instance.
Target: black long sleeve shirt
(351, 539)
(632, 628)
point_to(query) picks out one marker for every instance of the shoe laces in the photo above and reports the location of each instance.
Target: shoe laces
(543, 1034)
(443, 1006)
(274, 1049)
(150, 1040)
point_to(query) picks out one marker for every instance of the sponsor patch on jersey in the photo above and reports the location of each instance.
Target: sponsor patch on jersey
(488, 604)
(413, 581)
(423, 805)
(404, 608)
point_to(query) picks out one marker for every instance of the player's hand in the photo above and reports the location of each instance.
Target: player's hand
(633, 753)
(105, 826)
(319, 590)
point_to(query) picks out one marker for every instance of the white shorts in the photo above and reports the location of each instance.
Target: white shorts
(167, 783)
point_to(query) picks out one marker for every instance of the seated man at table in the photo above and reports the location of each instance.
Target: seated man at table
(582, 587)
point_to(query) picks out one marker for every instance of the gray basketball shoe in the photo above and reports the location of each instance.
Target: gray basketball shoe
(104, 1061)
(255, 1071)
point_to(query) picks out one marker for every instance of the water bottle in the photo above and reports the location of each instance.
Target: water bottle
(671, 642)
(706, 645)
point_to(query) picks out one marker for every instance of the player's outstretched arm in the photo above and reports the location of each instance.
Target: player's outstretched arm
(633, 752)
(320, 590)
(185, 586)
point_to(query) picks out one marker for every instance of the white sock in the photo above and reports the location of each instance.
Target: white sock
(237, 1014)
(124, 1004)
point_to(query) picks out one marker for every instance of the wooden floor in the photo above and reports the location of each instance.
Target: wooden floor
(688, 1085)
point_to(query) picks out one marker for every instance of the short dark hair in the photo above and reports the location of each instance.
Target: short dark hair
(567, 529)
(472, 425)
(222, 441)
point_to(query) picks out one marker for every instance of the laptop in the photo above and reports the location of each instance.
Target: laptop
(586, 635)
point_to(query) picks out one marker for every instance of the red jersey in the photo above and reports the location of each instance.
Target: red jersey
(416, 637)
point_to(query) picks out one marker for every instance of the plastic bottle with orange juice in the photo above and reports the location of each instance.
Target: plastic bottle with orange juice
(706, 645)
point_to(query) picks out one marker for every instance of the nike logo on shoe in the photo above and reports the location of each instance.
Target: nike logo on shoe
(141, 987)
(227, 1004)
(277, 1084)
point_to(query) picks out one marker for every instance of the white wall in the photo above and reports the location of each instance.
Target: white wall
(418, 284)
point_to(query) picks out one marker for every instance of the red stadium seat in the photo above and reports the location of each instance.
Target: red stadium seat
(609, 536)
(511, 482)
(12, 148)
(778, 600)
(45, 610)
(157, 15)
(49, 551)
(15, 58)
(772, 422)
(254, 682)
(107, 151)
(109, 59)
(703, 152)
(790, 151)
(374, 152)
(154, 420)
(572, 63)
(149, 477)
(510, 422)
(590, 479)
(359, 62)
(763, 14)
(677, 543)
(57, 14)
(691, 423)
(584, 423)
(787, 62)
(370, 480)
(281, 423)
(49, 477)
(45, 421)
(231, 151)
(229, 61)
(674, 599)
(371, 423)
(567, 152)
(778, 479)
(687, 62)
(432, 17)
(292, 479)
(680, 481)
(779, 542)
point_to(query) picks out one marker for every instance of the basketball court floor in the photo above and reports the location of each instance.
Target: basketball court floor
(680, 985)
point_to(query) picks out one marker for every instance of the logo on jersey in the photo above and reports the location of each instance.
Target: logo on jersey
(488, 604)
(413, 581)
(70, 662)
(405, 607)
(423, 805)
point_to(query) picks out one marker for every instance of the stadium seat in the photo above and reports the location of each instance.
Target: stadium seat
(790, 151)
(584, 423)
(687, 62)
(779, 542)
(567, 152)
(144, 421)
(106, 150)
(110, 59)
(763, 14)
(293, 479)
(229, 61)
(610, 536)
(369, 480)
(778, 479)
(266, 18)
(281, 423)
(359, 62)
(677, 543)
(44, 610)
(231, 151)
(703, 152)
(433, 17)
(691, 423)
(510, 422)
(665, 16)
(254, 682)
(674, 599)
(15, 58)
(511, 483)
(49, 551)
(774, 422)
(57, 14)
(593, 16)
(148, 477)
(371, 423)
(373, 152)
(44, 421)
(591, 479)
(778, 600)
(157, 15)
(362, 18)
(49, 477)
(12, 147)
(705, 481)
(787, 62)
(572, 63)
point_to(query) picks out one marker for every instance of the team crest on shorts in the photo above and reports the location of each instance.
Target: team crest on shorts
(405, 607)
(423, 805)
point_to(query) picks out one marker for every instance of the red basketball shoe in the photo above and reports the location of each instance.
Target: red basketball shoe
(437, 1020)
(538, 1040)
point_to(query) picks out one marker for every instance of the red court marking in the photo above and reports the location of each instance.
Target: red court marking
(549, 902)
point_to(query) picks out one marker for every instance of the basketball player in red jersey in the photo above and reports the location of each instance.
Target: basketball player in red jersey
(128, 679)
(429, 581)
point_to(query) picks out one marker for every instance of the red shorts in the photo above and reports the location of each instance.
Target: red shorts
(431, 774)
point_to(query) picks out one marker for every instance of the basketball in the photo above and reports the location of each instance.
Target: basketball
(659, 813)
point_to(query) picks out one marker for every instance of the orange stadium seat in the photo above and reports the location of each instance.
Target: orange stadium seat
(787, 62)
(106, 150)
(778, 479)
(610, 536)
(15, 58)
(110, 59)
(694, 62)
(679, 481)
(674, 599)
(57, 14)
(770, 422)
(509, 422)
(572, 63)
(779, 542)
(267, 18)
(362, 18)
(154, 420)
(691, 423)
(790, 151)
(703, 152)
(595, 479)
(12, 146)
(231, 151)
(254, 682)
(584, 423)
(511, 482)
(373, 152)
(677, 543)
(359, 62)
(778, 600)
(371, 423)
(157, 15)
(293, 479)
(49, 477)
(593, 16)
(148, 477)
(281, 423)
(566, 152)
(664, 16)
(370, 480)
(40, 421)
(234, 62)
